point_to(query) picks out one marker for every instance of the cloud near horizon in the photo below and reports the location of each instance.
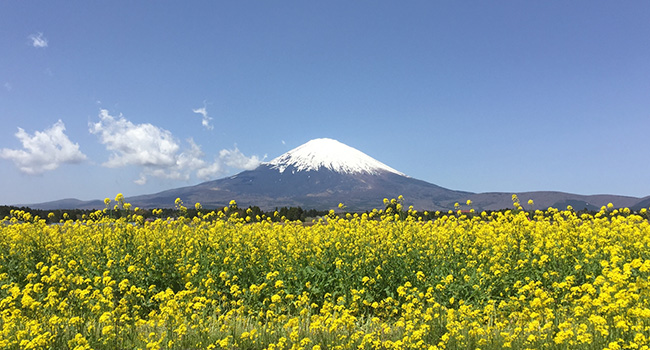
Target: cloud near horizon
(38, 40)
(235, 159)
(44, 151)
(158, 152)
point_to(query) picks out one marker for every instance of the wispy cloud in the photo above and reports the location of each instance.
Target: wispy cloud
(38, 40)
(45, 150)
(158, 152)
(206, 119)
(8, 86)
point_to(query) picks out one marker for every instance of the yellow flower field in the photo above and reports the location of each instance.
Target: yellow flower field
(385, 280)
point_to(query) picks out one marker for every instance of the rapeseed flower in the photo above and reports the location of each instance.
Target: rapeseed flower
(496, 280)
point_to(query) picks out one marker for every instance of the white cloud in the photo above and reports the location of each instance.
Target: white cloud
(44, 150)
(187, 162)
(141, 144)
(210, 171)
(141, 180)
(158, 153)
(38, 40)
(8, 86)
(234, 158)
(206, 119)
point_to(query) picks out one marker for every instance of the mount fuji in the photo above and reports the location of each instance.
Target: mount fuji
(322, 173)
(319, 174)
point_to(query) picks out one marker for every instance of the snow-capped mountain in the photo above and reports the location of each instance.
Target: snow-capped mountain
(322, 173)
(319, 174)
(330, 154)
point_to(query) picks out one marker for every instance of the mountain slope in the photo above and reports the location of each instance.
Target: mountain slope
(68, 203)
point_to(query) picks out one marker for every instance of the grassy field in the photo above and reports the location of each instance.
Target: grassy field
(385, 280)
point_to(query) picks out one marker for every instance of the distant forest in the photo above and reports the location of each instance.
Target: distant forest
(279, 214)
(254, 213)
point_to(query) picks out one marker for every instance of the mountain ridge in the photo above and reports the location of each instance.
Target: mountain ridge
(324, 172)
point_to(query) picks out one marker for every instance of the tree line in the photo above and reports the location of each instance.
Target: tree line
(254, 212)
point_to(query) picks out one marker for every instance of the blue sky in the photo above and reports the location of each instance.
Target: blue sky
(98, 98)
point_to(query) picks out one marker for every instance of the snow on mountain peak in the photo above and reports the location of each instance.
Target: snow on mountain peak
(330, 154)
